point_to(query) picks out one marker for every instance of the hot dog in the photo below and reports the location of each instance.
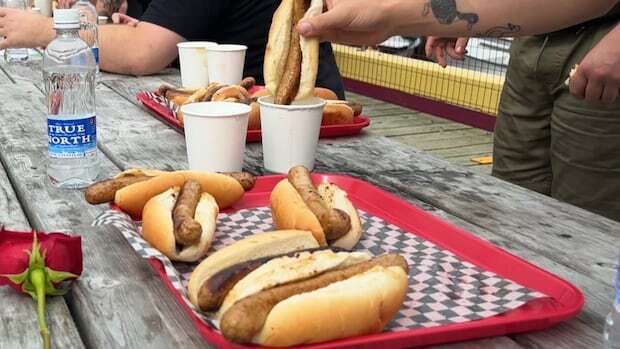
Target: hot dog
(131, 189)
(180, 222)
(286, 299)
(291, 61)
(325, 210)
(187, 230)
(335, 222)
(251, 248)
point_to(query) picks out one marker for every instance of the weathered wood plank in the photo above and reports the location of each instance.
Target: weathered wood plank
(398, 121)
(19, 327)
(120, 301)
(488, 343)
(482, 169)
(158, 319)
(122, 129)
(29, 71)
(447, 134)
(464, 151)
(11, 215)
(18, 320)
(419, 130)
(440, 143)
(4, 78)
(23, 150)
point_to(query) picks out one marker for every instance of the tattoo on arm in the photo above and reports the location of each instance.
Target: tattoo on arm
(500, 31)
(446, 12)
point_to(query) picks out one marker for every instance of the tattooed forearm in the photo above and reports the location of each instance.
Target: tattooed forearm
(446, 12)
(509, 29)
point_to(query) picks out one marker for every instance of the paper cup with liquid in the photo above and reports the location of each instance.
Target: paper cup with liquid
(194, 63)
(226, 63)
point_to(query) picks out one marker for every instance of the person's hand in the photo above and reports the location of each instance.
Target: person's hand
(22, 28)
(440, 47)
(119, 18)
(349, 22)
(66, 3)
(109, 7)
(597, 78)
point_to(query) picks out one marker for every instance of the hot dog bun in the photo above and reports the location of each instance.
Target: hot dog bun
(337, 114)
(254, 119)
(360, 305)
(289, 211)
(224, 189)
(320, 92)
(314, 296)
(253, 247)
(325, 93)
(280, 45)
(158, 228)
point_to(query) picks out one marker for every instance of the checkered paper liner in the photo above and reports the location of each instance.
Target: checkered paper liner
(163, 101)
(442, 288)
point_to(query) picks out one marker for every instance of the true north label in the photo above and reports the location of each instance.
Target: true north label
(96, 54)
(75, 138)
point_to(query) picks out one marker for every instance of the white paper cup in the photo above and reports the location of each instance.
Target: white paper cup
(193, 61)
(226, 63)
(290, 133)
(215, 135)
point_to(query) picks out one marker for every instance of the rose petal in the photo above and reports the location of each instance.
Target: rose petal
(62, 253)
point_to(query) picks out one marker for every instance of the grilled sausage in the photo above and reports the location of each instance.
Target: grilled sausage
(104, 191)
(335, 222)
(246, 317)
(187, 230)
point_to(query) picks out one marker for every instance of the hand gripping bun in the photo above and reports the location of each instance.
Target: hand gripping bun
(158, 228)
(291, 61)
(253, 247)
(225, 189)
(289, 211)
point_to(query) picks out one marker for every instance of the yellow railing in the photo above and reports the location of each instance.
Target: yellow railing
(463, 87)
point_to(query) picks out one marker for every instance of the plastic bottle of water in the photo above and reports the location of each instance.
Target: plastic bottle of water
(611, 336)
(69, 76)
(90, 30)
(15, 54)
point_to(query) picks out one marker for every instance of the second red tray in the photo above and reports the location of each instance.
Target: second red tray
(163, 112)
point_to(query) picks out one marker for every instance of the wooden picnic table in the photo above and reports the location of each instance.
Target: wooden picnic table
(119, 300)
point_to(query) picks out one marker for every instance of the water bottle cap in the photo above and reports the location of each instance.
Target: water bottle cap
(66, 18)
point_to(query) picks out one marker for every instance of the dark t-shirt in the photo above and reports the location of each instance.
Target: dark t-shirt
(135, 8)
(244, 22)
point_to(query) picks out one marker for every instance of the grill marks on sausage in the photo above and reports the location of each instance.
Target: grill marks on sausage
(105, 191)
(335, 222)
(214, 290)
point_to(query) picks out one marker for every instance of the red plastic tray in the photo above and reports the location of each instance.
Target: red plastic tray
(564, 301)
(327, 131)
